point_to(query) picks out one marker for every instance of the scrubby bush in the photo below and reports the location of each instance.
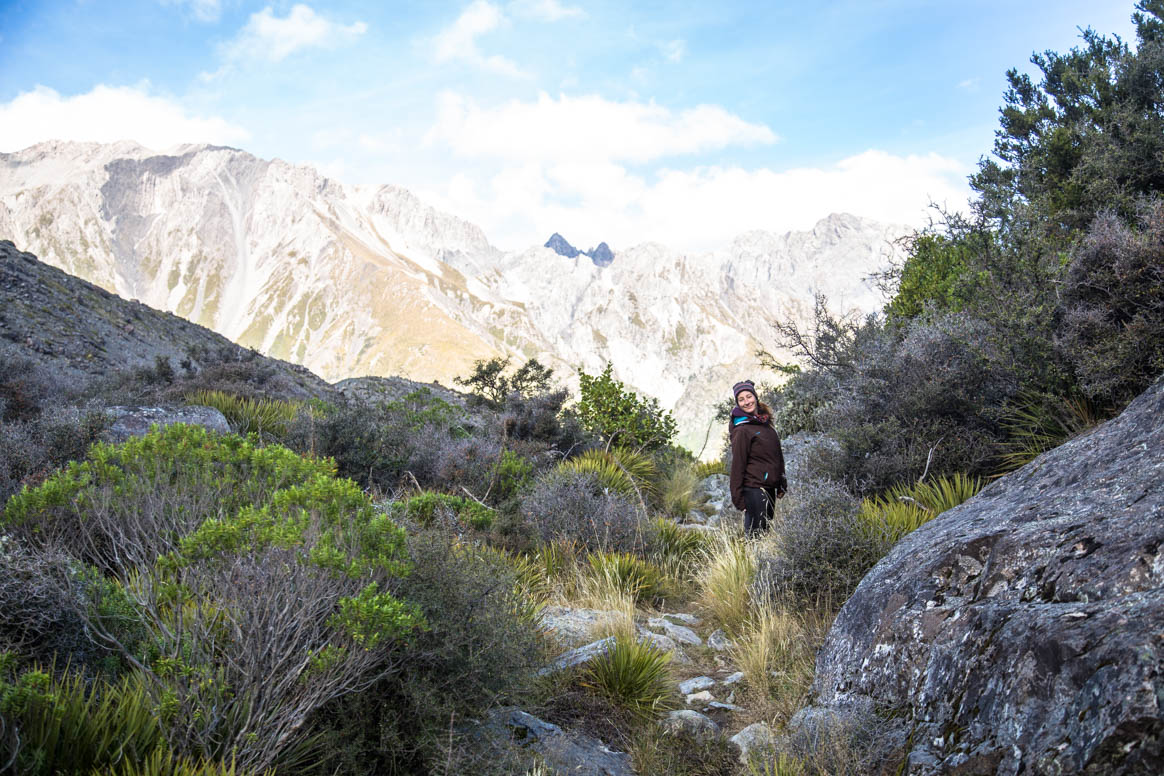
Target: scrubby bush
(31, 449)
(127, 504)
(571, 505)
(481, 647)
(263, 581)
(541, 419)
(490, 385)
(40, 620)
(823, 547)
(1112, 326)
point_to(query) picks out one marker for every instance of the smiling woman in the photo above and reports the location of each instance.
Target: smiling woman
(757, 469)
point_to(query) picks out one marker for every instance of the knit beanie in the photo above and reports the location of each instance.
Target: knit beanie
(743, 385)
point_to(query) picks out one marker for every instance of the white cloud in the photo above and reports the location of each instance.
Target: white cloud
(546, 10)
(970, 84)
(458, 41)
(673, 50)
(108, 114)
(268, 37)
(587, 128)
(202, 10)
(702, 208)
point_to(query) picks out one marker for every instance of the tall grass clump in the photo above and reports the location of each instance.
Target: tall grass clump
(640, 579)
(774, 652)
(726, 578)
(678, 489)
(1035, 424)
(633, 675)
(676, 549)
(269, 418)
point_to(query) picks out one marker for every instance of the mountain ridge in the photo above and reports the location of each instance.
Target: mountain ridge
(368, 279)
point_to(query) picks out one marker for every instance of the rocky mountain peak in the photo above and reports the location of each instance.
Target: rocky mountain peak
(559, 245)
(602, 256)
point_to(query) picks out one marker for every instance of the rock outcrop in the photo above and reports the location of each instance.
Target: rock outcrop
(1022, 632)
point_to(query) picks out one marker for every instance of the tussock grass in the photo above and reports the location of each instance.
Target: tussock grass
(265, 417)
(725, 580)
(906, 507)
(640, 579)
(677, 489)
(634, 676)
(620, 470)
(705, 469)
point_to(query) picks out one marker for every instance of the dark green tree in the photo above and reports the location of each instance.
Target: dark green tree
(489, 383)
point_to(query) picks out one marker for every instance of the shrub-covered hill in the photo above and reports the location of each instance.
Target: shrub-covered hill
(75, 331)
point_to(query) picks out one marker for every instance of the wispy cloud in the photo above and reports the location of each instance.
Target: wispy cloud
(202, 10)
(546, 10)
(588, 128)
(107, 114)
(458, 41)
(701, 208)
(268, 37)
(970, 84)
(673, 50)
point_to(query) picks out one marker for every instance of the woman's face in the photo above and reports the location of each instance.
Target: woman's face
(746, 401)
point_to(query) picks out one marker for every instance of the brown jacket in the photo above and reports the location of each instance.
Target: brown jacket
(757, 461)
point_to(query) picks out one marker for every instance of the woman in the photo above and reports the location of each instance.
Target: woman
(757, 477)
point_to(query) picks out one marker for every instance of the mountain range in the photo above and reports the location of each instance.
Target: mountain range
(353, 280)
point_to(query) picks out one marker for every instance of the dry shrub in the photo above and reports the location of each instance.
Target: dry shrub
(574, 506)
(1112, 327)
(822, 547)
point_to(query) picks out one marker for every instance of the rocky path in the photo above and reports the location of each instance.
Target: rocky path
(708, 689)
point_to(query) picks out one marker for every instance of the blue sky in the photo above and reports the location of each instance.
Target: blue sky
(680, 122)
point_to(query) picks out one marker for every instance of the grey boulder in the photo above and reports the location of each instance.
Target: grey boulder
(131, 422)
(1021, 632)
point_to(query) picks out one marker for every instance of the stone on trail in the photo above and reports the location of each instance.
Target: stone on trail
(1021, 631)
(699, 698)
(690, 723)
(578, 656)
(680, 633)
(719, 641)
(736, 677)
(565, 752)
(682, 618)
(755, 739)
(696, 684)
(570, 627)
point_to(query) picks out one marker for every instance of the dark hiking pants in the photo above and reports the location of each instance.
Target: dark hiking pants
(759, 504)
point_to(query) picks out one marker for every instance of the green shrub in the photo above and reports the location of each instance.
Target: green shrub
(613, 412)
(265, 582)
(269, 418)
(512, 475)
(491, 385)
(66, 726)
(632, 576)
(129, 503)
(633, 675)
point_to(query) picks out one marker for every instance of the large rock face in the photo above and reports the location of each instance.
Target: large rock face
(359, 280)
(1022, 632)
